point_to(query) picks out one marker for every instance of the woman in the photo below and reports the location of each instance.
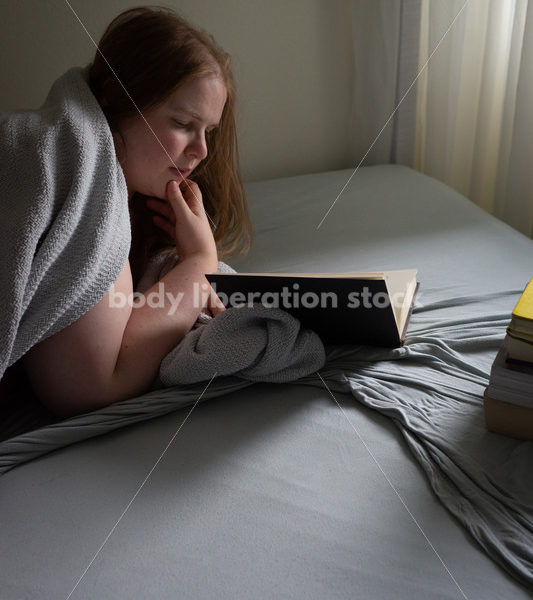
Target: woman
(174, 134)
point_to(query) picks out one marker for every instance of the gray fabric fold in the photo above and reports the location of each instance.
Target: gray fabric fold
(432, 388)
(64, 218)
(252, 342)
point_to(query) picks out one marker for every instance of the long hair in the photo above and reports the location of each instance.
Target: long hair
(152, 52)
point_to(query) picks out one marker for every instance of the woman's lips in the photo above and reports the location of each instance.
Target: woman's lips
(179, 173)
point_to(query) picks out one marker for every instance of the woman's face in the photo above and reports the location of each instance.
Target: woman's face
(180, 124)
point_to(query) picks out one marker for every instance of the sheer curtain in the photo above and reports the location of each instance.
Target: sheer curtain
(468, 118)
(385, 36)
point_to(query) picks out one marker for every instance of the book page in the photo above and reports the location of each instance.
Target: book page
(369, 275)
(401, 286)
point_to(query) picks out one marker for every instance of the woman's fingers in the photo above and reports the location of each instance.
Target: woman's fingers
(164, 225)
(174, 196)
(215, 304)
(193, 234)
(192, 195)
(163, 217)
(182, 199)
(161, 207)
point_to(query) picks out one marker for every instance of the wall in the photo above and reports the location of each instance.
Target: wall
(292, 62)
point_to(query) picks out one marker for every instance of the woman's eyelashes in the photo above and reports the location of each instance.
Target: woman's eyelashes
(180, 124)
(183, 125)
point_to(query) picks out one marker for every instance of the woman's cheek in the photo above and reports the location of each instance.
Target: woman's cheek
(177, 143)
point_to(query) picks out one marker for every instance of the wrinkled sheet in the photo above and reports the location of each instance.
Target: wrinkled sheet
(432, 390)
(472, 269)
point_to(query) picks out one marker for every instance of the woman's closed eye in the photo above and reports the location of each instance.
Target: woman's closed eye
(183, 125)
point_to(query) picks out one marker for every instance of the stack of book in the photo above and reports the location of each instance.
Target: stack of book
(508, 399)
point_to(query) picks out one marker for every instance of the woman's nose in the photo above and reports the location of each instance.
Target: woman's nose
(197, 148)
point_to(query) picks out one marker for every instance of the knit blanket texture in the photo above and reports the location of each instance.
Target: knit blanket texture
(64, 217)
(254, 342)
(66, 230)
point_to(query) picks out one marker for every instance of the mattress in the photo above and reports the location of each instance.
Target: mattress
(294, 490)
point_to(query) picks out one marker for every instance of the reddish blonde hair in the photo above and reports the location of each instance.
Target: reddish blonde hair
(153, 51)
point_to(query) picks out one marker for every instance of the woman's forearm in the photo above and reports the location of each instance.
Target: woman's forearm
(165, 313)
(113, 351)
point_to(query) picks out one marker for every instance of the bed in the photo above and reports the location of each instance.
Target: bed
(382, 483)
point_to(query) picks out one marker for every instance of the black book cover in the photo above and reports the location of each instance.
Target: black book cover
(340, 310)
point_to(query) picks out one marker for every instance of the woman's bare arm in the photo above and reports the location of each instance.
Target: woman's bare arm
(152, 332)
(113, 352)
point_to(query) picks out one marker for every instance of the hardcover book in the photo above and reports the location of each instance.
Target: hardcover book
(511, 383)
(520, 330)
(345, 308)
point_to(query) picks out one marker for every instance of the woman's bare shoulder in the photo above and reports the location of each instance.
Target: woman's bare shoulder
(71, 368)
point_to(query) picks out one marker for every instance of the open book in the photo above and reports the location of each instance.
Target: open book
(345, 308)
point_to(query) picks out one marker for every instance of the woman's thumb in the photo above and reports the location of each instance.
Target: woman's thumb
(173, 188)
(174, 194)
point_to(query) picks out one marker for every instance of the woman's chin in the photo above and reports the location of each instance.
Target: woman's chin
(156, 191)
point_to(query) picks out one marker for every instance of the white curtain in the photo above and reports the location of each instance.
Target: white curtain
(385, 44)
(468, 118)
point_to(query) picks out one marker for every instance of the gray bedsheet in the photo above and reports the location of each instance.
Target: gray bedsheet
(349, 531)
(472, 269)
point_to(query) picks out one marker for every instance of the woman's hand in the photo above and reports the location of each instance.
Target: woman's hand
(214, 304)
(182, 216)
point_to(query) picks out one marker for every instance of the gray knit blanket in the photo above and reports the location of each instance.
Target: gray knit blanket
(66, 234)
(64, 217)
(251, 342)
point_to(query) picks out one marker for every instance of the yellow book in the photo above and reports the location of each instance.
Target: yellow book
(524, 306)
(521, 326)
